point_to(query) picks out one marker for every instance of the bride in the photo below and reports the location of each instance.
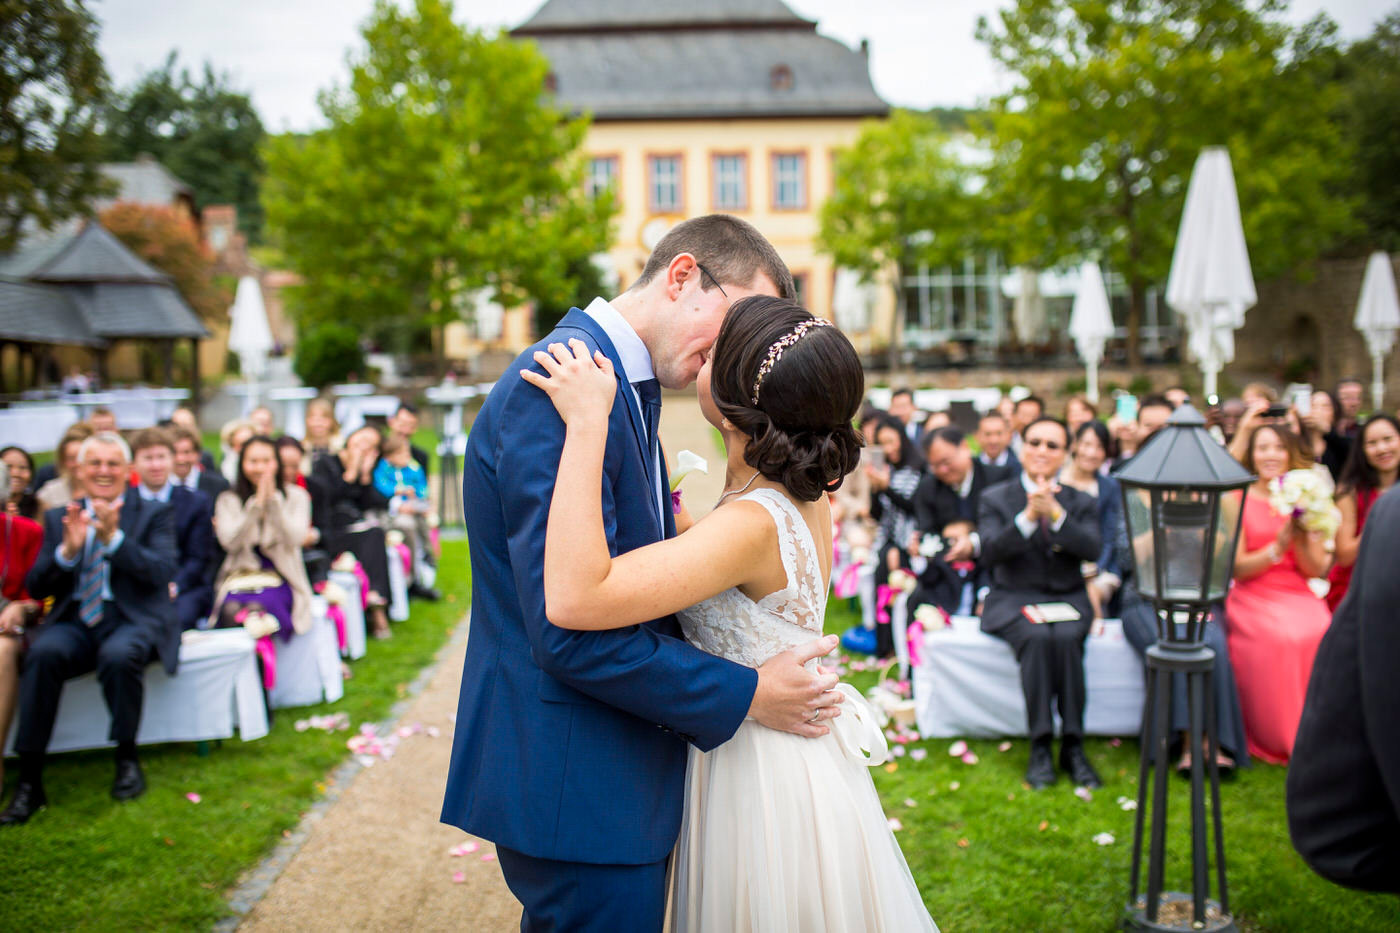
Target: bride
(780, 832)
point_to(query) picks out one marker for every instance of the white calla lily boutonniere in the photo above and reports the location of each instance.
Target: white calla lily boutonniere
(687, 462)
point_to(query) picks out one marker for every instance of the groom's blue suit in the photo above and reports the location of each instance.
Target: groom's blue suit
(571, 746)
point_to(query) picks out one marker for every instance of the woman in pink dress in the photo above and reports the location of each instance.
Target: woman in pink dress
(1368, 473)
(1276, 621)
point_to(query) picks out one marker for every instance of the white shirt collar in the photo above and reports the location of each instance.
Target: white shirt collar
(160, 495)
(1027, 483)
(965, 487)
(633, 354)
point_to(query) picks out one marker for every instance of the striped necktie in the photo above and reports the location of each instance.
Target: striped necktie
(90, 585)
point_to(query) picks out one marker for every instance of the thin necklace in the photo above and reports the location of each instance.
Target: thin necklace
(735, 492)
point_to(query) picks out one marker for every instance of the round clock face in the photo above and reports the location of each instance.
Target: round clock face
(653, 231)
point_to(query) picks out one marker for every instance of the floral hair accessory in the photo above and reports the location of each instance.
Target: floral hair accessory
(775, 352)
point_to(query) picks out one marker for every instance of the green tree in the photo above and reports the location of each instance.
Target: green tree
(1370, 75)
(168, 240)
(1113, 100)
(52, 84)
(444, 169)
(206, 132)
(902, 196)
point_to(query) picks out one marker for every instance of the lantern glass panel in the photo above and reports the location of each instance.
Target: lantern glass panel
(1139, 520)
(1185, 516)
(1227, 531)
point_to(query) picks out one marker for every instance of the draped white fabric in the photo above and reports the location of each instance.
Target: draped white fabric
(1091, 323)
(308, 667)
(1378, 318)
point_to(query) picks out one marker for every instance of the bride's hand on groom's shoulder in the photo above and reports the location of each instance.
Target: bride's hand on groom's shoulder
(581, 385)
(791, 698)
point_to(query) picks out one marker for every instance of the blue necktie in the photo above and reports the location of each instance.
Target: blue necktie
(649, 391)
(90, 585)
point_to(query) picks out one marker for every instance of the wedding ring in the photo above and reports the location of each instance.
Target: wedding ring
(814, 716)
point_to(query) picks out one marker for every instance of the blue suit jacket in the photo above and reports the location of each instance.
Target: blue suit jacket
(572, 745)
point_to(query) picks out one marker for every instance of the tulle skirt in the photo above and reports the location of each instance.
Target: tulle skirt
(784, 833)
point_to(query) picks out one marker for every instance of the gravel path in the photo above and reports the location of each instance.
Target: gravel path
(375, 857)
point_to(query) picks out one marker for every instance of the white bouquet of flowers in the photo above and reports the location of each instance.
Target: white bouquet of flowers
(1302, 494)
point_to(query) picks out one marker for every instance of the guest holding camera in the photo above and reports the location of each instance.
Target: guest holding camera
(107, 560)
(1276, 621)
(1036, 535)
(1369, 473)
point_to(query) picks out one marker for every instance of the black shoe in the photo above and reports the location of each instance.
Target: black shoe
(1075, 763)
(130, 782)
(1041, 771)
(28, 800)
(424, 592)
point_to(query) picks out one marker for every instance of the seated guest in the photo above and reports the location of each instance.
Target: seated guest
(892, 486)
(1025, 411)
(1327, 446)
(107, 561)
(1036, 535)
(289, 458)
(345, 508)
(20, 538)
(934, 421)
(232, 436)
(102, 420)
(1369, 473)
(189, 470)
(1177, 396)
(1103, 576)
(184, 418)
(1276, 621)
(1343, 787)
(952, 489)
(1351, 396)
(903, 410)
(58, 491)
(401, 480)
(954, 585)
(192, 588)
(262, 522)
(21, 499)
(994, 439)
(262, 421)
(1079, 410)
(403, 425)
(322, 433)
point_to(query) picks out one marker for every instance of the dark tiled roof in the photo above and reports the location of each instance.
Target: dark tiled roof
(95, 255)
(688, 75)
(43, 314)
(132, 309)
(570, 15)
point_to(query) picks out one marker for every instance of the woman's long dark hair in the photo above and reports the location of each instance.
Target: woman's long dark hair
(1357, 473)
(1100, 431)
(909, 458)
(799, 430)
(244, 487)
(28, 502)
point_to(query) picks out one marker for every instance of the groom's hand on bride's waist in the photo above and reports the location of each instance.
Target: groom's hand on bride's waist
(791, 698)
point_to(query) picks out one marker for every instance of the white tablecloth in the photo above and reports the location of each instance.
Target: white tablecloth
(36, 426)
(398, 587)
(217, 688)
(354, 614)
(351, 410)
(308, 666)
(969, 684)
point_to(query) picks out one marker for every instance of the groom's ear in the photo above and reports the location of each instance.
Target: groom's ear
(682, 269)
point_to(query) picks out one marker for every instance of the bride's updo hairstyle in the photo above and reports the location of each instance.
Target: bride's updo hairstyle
(793, 384)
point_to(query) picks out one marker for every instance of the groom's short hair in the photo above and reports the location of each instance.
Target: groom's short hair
(731, 250)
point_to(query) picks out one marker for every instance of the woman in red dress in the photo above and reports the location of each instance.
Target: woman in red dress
(1276, 621)
(1368, 473)
(20, 539)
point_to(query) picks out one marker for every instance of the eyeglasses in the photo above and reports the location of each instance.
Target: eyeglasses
(707, 272)
(1048, 445)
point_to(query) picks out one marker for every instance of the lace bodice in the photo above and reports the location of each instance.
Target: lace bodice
(735, 627)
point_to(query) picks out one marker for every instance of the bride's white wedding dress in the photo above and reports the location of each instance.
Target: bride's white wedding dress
(784, 833)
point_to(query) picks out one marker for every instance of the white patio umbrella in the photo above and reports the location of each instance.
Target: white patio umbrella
(1091, 323)
(249, 335)
(1378, 318)
(1211, 284)
(851, 301)
(1028, 306)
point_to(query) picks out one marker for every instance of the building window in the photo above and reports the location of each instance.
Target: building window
(801, 281)
(664, 184)
(730, 182)
(602, 175)
(790, 181)
(780, 78)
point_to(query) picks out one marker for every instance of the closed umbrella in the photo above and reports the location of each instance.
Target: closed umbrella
(249, 335)
(1091, 323)
(1378, 318)
(1211, 284)
(851, 301)
(1028, 307)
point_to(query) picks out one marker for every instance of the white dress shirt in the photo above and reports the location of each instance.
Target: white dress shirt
(1027, 524)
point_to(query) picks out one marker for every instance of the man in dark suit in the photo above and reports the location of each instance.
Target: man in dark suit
(193, 588)
(1344, 778)
(189, 469)
(570, 750)
(107, 561)
(1035, 535)
(994, 437)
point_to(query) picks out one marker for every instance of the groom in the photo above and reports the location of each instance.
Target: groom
(570, 747)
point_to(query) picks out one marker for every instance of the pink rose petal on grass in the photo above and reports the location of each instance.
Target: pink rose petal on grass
(458, 877)
(957, 749)
(1083, 793)
(953, 785)
(192, 797)
(1004, 747)
(895, 825)
(898, 751)
(918, 754)
(969, 758)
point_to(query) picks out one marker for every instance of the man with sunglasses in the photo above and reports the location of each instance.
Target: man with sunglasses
(1035, 536)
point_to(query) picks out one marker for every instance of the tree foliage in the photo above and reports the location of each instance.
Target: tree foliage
(52, 84)
(443, 170)
(167, 239)
(327, 353)
(1114, 99)
(1370, 112)
(205, 132)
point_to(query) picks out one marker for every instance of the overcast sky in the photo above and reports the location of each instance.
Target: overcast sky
(922, 52)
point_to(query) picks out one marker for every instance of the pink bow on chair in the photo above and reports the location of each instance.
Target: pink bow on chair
(337, 615)
(268, 653)
(884, 595)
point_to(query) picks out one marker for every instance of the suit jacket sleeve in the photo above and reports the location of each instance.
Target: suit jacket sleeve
(197, 548)
(651, 675)
(926, 505)
(151, 560)
(46, 578)
(996, 524)
(1079, 534)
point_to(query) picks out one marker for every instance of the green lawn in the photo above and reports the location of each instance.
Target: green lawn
(164, 863)
(989, 854)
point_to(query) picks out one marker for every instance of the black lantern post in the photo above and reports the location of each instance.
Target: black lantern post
(1183, 545)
